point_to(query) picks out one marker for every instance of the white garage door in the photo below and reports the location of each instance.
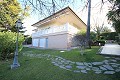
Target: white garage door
(35, 42)
(43, 42)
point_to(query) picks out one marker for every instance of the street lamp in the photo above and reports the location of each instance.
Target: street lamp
(15, 61)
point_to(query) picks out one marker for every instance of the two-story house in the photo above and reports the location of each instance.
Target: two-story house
(57, 30)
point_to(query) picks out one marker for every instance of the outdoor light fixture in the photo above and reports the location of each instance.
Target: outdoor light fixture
(15, 61)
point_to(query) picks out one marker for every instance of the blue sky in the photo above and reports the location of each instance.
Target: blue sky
(96, 15)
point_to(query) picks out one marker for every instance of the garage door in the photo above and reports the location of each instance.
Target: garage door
(35, 42)
(43, 42)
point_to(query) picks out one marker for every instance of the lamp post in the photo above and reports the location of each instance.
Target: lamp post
(15, 61)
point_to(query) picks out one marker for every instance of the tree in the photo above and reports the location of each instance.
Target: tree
(80, 40)
(100, 29)
(10, 11)
(46, 7)
(106, 29)
(114, 15)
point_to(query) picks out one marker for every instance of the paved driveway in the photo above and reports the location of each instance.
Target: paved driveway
(111, 49)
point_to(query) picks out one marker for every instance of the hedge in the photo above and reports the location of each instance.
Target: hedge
(109, 35)
(8, 43)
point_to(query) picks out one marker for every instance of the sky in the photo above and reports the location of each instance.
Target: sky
(97, 15)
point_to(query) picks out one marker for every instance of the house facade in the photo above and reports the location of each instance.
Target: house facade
(57, 30)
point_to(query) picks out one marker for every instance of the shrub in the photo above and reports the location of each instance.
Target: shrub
(93, 36)
(29, 40)
(109, 35)
(119, 43)
(102, 42)
(8, 43)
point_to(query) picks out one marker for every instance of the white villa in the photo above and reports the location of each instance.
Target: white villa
(57, 30)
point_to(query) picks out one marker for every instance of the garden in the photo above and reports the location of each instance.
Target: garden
(40, 64)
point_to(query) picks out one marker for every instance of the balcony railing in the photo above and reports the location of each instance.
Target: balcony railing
(49, 30)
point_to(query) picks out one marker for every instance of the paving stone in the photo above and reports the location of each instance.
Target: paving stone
(68, 67)
(76, 71)
(117, 64)
(97, 63)
(102, 68)
(73, 62)
(107, 57)
(62, 67)
(113, 60)
(81, 67)
(56, 64)
(62, 61)
(95, 69)
(106, 61)
(53, 62)
(98, 72)
(87, 68)
(114, 65)
(83, 71)
(79, 63)
(117, 58)
(108, 67)
(109, 72)
(86, 64)
(117, 70)
(66, 63)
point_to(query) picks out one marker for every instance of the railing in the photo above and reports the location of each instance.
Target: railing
(52, 29)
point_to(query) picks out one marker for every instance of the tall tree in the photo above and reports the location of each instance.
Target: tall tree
(114, 15)
(88, 25)
(10, 11)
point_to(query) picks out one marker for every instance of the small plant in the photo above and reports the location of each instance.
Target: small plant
(80, 39)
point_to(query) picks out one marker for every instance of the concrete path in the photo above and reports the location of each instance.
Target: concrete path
(111, 49)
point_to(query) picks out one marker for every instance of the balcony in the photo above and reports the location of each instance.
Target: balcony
(49, 30)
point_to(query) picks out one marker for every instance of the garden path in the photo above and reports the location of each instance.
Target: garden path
(108, 66)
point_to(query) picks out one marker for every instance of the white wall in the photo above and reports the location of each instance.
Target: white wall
(51, 29)
(73, 30)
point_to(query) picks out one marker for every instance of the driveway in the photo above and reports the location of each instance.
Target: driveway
(111, 49)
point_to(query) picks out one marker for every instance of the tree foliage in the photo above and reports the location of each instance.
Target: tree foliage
(114, 14)
(10, 11)
(98, 29)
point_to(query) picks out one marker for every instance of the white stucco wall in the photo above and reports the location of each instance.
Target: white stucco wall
(50, 29)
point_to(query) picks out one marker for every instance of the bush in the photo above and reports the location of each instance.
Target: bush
(119, 43)
(29, 40)
(8, 43)
(109, 35)
(102, 42)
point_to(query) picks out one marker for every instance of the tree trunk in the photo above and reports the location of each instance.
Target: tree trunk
(119, 36)
(88, 25)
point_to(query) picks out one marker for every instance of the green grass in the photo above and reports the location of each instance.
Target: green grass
(73, 55)
(42, 69)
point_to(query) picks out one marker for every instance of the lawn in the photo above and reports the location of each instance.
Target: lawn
(41, 69)
(73, 55)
